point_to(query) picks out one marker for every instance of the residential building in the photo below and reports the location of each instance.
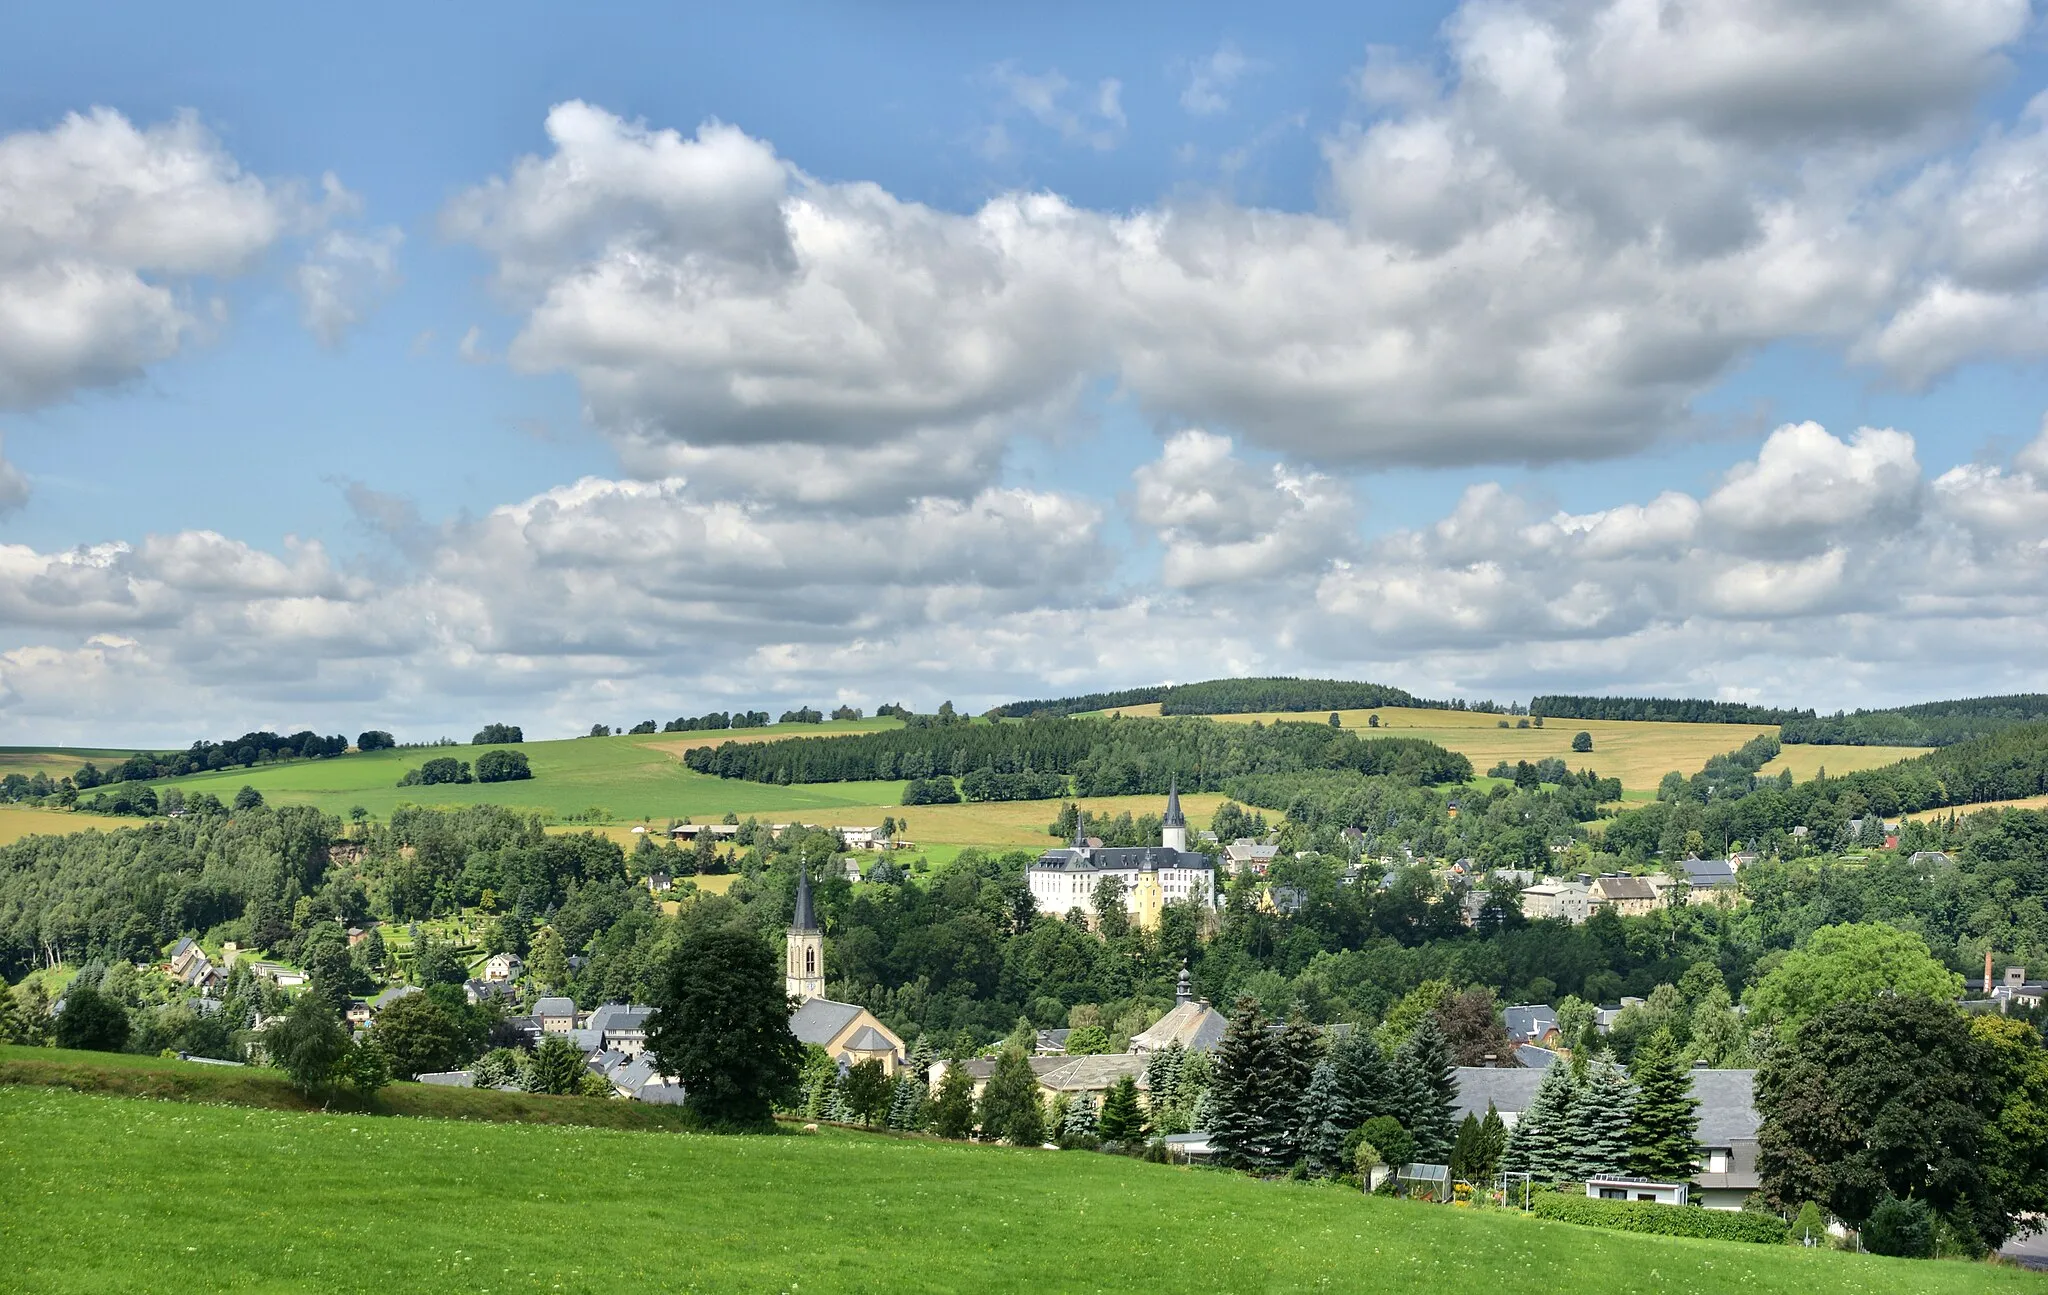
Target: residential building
(1247, 855)
(716, 831)
(1627, 895)
(1635, 1189)
(557, 1015)
(392, 995)
(479, 991)
(1565, 901)
(1712, 881)
(504, 967)
(1531, 1022)
(618, 1027)
(1151, 876)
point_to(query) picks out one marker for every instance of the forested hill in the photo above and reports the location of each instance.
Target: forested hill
(1105, 757)
(1934, 723)
(1227, 697)
(1679, 710)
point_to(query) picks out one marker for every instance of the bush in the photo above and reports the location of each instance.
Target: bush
(1396, 1146)
(496, 734)
(502, 766)
(376, 740)
(443, 769)
(1582, 742)
(930, 791)
(1811, 1223)
(91, 1021)
(1901, 1228)
(1661, 1220)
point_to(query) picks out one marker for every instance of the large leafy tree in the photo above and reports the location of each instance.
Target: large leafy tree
(309, 1044)
(91, 1020)
(1882, 1097)
(1854, 961)
(1663, 1132)
(1011, 1109)
(721, 1026)
(420, 1037)
(2016, 1138)
(952, 1106)
(868, 1091)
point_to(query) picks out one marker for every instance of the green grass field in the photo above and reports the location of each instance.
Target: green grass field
(116, 1194)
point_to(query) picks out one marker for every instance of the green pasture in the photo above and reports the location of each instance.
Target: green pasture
(115, 1194)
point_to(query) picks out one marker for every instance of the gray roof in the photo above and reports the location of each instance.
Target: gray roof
(1174, 818)
(869, 1039)
(1509, 1090)
(640, 1079)
(1123, 858)
(1535, 1058)
(1198, 1026)
(1623, 887)
(546, 1007)
(1094, 1074)
(820, 1020)
(1530, 1020)
(395, 993)
(1727, 1105)
(618, 1016)
(1713, 873)
(182, 945)
(805, 917)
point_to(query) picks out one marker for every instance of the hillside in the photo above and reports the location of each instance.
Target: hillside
(117, 1195)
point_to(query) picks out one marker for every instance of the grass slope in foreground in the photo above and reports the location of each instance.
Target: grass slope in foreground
(112, 1194)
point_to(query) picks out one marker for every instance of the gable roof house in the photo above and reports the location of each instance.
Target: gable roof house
(1626, 895)
(1531, 1022)
(1566, 901)
(847, 1032)
(1712, 881)
(1192, 1023)
(557, 1015)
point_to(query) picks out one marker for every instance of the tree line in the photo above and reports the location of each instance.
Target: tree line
(1939, 723)
(1679, 710)
(1223, 697)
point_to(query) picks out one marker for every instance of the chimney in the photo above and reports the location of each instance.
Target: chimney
(1987, 971)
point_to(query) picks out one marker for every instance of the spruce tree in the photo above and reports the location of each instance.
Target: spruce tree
(1297, 1053)
(1080, 1125)
(1466, 1157)
(952, 1107)
(1493, 1141)
(906, 1106)
(1597, 1129)
(1538, 1145)
(1122, 1119)
(1010, 1107)
(1354, 1088)
(921, 1058)
(1242, 1124)
(1433, 1087)
(1664, 1134)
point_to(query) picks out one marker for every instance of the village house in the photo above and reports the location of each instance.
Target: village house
(557, 1015)
(1556, 901)
(1710, 881)
(1151, 876)
(1531, 1023)
(1627, 895)
(502, 967)
(1247, 855)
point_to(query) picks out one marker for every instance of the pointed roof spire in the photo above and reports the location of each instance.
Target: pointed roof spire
(1080, 828)
(1174, 818)
(1182, 990)
(806, 917)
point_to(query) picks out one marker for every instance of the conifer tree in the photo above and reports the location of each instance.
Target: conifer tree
(1597, 1128)
(1010, 1108)
(1243, 1124)
(952, 1107)
(1537, 1146)
(1080, 1125)
(1432, 1088)
(1357, 1089)
(1664, 1133)
(1493, 1141)
(921, 1058)
(1466, 1156)
(1122, 1119)
(906, 1106)
(1297, 1053)
(836, 1109)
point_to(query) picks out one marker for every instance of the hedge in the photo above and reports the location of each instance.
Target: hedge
(1662, 1220)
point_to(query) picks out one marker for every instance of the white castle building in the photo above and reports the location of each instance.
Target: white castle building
(1152, 875)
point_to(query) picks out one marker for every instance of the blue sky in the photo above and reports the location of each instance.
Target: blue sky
(1350, 312)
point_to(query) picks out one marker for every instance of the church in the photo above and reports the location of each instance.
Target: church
(848, 1032)
(1152, 875)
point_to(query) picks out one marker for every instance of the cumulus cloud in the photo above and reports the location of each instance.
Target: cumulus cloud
(343, 279)
(1221, 523)
(107, 230)
(1212, 78)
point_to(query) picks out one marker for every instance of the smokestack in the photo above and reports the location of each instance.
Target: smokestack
(1987, 971)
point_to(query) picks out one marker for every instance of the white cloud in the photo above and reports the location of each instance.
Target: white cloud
(344, 278)
(107, 231)
(1212, 78)
(1806, 485)
(14, 487)
(1092, 119)
(1223, 523)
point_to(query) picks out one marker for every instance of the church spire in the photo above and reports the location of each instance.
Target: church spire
(1174, 818)
(806, 918)
(803, 973)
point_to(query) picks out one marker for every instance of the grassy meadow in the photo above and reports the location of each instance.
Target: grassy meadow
(116, 1194)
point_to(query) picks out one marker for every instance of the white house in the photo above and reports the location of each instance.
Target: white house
(504, 966)
(1567, 900)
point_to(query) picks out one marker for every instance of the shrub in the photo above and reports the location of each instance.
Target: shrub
(931, 791)
(376, 740)
(1661, 1220)
(443, 769)
(494, 734)
(1901, 1228)
(1811, 1223)
(1396, 1146)
(502, 766)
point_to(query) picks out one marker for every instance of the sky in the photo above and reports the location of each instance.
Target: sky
(418, 367)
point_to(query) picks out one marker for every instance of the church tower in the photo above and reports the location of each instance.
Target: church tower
(803, 972)
(1173, 829)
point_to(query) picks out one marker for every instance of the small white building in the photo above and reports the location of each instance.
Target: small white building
(503, 967)
(1635, 1189)
(1557, 900)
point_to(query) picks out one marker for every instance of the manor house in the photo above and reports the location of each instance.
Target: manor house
(1151, 875)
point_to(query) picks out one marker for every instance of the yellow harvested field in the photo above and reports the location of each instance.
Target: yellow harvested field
(2027, 802)
(17, 822)
(1639, 752)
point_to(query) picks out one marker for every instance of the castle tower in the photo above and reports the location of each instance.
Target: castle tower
(803, 970)
(1150, 897)
(1173, 829)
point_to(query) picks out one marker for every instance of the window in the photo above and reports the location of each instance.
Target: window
(1717, 1161)
(810, 962)
(1613, 1194)
(1646, 1196)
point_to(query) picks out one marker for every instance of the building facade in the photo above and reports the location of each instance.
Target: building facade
(1151, 877)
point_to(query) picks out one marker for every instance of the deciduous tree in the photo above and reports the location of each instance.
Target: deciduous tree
(721, 1026)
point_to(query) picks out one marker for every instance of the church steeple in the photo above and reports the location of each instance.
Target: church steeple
(1173, 829)
(803, 971)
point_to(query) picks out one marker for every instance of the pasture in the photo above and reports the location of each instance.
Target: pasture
(115, 1194)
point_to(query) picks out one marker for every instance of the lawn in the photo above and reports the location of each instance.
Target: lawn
(115, 1194)
(1639, 752)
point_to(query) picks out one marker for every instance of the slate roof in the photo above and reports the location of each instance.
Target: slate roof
(1616, 887)
(1198, 1026)
(1174, 818)
(1508, 1090)
(1530, 1020)
(1122, 858)
(393, 994)
(1094, 1073)
(1727, 1105)
(546, 1007)
(1709, 873)
(806, 915)
(1535, 1058)
(869, 1039)
(820, 1020)
(642, 1081)
(609, 1017)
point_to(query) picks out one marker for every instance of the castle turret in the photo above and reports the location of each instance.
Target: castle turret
(803, 972)
(1173, 829)
(1149, 898)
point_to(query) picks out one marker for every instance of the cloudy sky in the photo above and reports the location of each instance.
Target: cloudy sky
(415, 367)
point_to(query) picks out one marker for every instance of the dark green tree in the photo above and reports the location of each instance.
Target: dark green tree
(309, 1044)
(907, 1104)
(1465, 1152)
(1493, 1142)
(1582, 741)
(1350, 1087)
(721, 1026)
(1247, 1121)
(1903, 1229)
(1010, 1109)
(1597, 1127)
(248, 798)
(92, 1021)
(1664, 1130)
(1122, 1118)
(1538, 1145)
(1881, 1097)
(1432, 1090)
(867, 1091)
(556, 1067)
(952, 1106)
(421, 1037)
(1387, 1136)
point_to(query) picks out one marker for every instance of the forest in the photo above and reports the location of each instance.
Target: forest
(1226, 697)
(1677, 710)
(1104, 757)
(1937, 723)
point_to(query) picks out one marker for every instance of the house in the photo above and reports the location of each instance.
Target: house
(2015, 990)
(660, 883)
(557, 1015)
(1635, 1189)
(640, 1079)
(1051, 1043)
(1712, 881)
(280, 975)
(850, 868)
(1627, 895)
(190, 965)
(1192, 1023)
(865, 838)
(716, 831)
(1743, 859)
(1604, 1017)
(1562, 901)
(1727, 1131)
(1531, 1022)
(528, 1026)
(504, 967)
(1095, 1075)
(1535, 1058)
(1930, 858)
(392, 995)
(1151, 876)
(1282, 901)
(357, 934)
(482, 991)
(1247, 855)
(620, 1027)
(358, 1013)
(847, 1032)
